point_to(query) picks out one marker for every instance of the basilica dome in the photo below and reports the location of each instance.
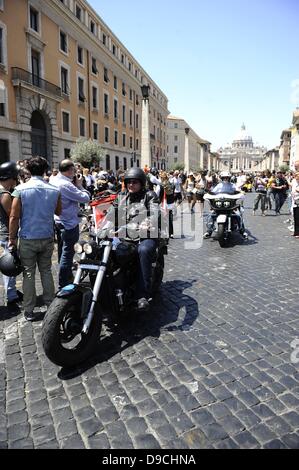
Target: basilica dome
(243, 139)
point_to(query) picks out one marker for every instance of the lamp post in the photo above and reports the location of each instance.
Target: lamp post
(145, 138)
(187, 159)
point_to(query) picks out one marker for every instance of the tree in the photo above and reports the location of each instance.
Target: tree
(284, 168)
(178, 166)
(87, 152)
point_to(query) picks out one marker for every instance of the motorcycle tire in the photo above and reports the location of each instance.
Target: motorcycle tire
(220, 235)
(62, 325)
(157, 274)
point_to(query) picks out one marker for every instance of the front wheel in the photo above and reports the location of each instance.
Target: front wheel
(62, 338)
(221, 235)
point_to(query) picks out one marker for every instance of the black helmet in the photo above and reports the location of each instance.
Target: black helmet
(10, 264)
(136, 174)
(8, 170)
(154, 171)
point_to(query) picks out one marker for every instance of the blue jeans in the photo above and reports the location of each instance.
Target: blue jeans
(146, 251)
(68, 240)
(9, 282)
(279, 198)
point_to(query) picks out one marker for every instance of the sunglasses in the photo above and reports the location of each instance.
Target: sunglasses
(133, 181)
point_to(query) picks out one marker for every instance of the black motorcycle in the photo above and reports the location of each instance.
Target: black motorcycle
(227, 215)
(104, 283)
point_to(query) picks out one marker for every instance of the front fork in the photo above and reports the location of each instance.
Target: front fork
(97, 285)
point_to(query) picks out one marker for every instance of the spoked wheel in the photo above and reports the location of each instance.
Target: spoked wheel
(62, 337)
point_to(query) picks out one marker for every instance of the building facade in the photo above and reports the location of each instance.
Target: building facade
(285, 148)
(64, 75)
(181, 138)
(294, 152)
(242, 154)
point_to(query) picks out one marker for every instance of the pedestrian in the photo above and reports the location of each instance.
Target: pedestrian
(279, 188)
(8, 181)
(177, 182)
(31, 220)
(67, 223)
(261, 194)
(169, 196)
(190, 191)
(295, 203)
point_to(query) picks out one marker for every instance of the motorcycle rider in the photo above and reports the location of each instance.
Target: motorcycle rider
(224, 186)
(135, 214)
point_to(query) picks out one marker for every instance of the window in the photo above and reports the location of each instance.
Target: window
(113, 49)
(125, 163)
(137, 144)
(94, 68)
(106, 104)
(2, 108)
(64, 81)
(175, 149)
(107, 162)
(107, 135)
(104, 39)
(63, 42)
(124, 140)
(92, 27)
(116, 163)
(122, 59)
(82, 127)
(81, 95)
(137, 100)
(106, 75)
(115, 137)
(67, 153)
(94, 97)
(80, 57)
(66, 122)
(95, 131)
(115, 109)
(131, 94)
(1, 45)
(34, 19)
(176, 125)
(124, 114)
(131, 118)
(130, 66)
(137, 121)
(123, 89)
(115, 82)
(131, 142)
(79, 12)
(175, 137)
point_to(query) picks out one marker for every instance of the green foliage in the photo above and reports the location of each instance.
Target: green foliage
(178, 166)
(284, 168)
(87, 152)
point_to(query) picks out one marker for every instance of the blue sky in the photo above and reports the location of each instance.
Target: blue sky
(220, 62)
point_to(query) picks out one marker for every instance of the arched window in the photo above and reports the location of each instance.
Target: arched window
(38, 135)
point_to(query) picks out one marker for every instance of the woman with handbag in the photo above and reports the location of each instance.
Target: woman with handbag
(295, 203)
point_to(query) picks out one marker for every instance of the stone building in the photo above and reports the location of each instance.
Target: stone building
(285, 148)
(242, 154)
(64, 75)
(185, 147)
(294, 153)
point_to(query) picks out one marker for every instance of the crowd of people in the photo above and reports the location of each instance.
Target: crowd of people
(36, 203)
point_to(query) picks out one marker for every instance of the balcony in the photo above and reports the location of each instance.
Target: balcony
(25, 78)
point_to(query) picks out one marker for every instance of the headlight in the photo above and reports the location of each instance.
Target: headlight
(87, 248)
(218, 203)
(226, 203)
(78, 248)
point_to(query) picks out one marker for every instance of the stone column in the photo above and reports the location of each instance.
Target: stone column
(186, 155)
(145, 140)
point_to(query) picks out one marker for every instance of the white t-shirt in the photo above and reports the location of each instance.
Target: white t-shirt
(177, 184)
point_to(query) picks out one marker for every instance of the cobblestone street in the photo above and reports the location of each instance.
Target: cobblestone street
(210, 366)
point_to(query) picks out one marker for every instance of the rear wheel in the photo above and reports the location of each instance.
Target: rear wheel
(62, 338)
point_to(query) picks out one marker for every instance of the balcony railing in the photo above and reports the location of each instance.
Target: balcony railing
(35, 80)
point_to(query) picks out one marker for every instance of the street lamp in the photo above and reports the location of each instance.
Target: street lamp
(145, 137)
(145, 91)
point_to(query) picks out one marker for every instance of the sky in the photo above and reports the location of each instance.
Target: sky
(219, 62)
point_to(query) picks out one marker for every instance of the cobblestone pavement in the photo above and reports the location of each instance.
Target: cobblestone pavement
(209, 368)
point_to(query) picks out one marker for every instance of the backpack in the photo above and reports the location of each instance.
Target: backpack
(168, 187)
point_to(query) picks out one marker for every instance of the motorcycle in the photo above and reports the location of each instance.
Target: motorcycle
(104, 282)
(227, 214)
